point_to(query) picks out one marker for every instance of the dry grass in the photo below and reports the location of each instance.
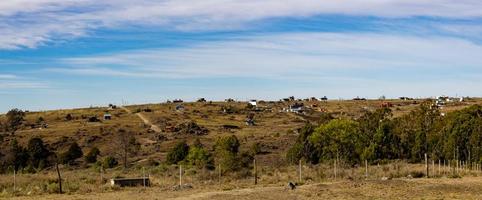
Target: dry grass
(274, 130)
(319, 182)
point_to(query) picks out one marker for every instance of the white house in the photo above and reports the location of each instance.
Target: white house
(253, 102)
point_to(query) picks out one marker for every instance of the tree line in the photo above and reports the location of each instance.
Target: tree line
(377, 136)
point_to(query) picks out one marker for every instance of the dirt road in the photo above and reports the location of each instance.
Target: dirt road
(145, 120)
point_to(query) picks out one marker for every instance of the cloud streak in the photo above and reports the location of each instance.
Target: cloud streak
(30, 23)
(287, 56)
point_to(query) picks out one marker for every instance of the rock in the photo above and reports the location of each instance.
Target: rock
(386, 178)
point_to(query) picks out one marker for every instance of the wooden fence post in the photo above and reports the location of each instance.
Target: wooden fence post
(59, 178)
(426, 165)
(180, 175)
(220, 173)
(299, 169)
(143, 176)
(366, 169)
(439, 172)
(14, 179)
(101, 175)
(433, 167)
(335, 167)
(255, 172)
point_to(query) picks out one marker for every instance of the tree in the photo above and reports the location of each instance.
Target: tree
(71, 154)
(338, 138)
(15, 118)
(91, 157)
(38, 153)
(127, 145)
(16, 156)
(178, 153)
(226, 151)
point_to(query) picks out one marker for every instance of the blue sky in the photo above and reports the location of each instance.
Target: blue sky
(77, 53)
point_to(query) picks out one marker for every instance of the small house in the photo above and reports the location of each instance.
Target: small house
(253, 102)
(107, 116)
(296, 108)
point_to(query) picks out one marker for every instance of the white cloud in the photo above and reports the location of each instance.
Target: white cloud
(294, 55)
(6, 84)
(7, 76)
(29, 23)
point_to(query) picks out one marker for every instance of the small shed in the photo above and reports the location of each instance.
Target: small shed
(107, 116)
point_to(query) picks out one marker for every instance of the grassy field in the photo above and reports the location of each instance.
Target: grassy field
(275, 131)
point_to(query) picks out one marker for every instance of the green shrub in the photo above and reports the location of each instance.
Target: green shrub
(91, 157)
(109, 162)
(71, 154)
(199, 157)
(226, 150)
(178, 153)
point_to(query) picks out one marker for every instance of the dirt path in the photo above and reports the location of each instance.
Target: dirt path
(145, 120)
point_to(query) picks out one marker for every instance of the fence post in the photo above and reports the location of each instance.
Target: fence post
(255, 172)
(299, 168)
(101, 175)
(59, 178)
(14, 179)
(143, 177)
(433, 167)
(439, 172)
(180, 175)
(366, 169)
(219, 167)
(335, 167)
(426, 165)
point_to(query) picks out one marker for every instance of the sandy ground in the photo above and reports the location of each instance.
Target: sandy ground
(466, 188)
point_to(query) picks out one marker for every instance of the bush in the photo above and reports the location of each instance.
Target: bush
(178, 153)
(226, 149)
(199, 157)
(255, 149)
(91, 157)
(71, 154)
(109, 162)
(37, 151)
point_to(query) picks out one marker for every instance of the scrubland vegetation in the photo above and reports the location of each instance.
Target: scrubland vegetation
(216, 147)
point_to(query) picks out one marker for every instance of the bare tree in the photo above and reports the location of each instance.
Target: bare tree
(126, 145)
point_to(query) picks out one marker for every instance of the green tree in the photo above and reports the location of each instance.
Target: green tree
(38, 153)
(15, 118)
(338, 138)
(71, 154)
(199, 157)
(16, 156)
(226, 152)
(178, 153)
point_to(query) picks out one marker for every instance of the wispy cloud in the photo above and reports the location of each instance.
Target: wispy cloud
(29, 23)
(291, 55)
(11, 81)
(7, 76)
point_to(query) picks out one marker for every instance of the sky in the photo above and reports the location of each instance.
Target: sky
(57, 54)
